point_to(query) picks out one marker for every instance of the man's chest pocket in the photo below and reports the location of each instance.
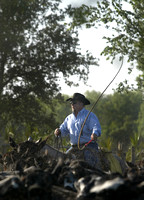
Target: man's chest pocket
(85, 128)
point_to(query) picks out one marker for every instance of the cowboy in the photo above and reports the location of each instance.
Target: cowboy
(72, 126)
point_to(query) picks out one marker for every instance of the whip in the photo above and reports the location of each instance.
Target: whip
(94, 106)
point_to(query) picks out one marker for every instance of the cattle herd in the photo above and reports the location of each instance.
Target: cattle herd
(27, 174)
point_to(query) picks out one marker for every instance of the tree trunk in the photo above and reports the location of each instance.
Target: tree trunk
(1, 76)
(133, 155)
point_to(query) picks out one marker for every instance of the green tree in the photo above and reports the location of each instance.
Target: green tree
(125, 20)
(62, 108)
(36, 119)
(118, 115)
(36, 48)
(98, 108)
(121, 114)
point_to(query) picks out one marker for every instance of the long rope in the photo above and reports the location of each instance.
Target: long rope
(58, 143)
(94, 106)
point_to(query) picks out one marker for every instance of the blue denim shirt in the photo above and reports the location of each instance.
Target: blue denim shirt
(72, 127)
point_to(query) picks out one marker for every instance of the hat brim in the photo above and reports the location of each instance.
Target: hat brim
(85, 101)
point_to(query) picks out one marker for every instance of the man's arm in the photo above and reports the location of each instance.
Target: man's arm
(94, 126)
(63, 131)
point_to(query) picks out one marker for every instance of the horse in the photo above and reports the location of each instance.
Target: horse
(30, 153)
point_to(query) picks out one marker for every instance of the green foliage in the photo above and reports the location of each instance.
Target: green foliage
(62, 108)
(135, 140)
(106, 143)
(36, 48)
(140, 121)
(118, 115)
(125, 20)
(137, 145)
(27, 118)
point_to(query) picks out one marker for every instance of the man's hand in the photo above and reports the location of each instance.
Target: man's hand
(57, 132)
(93, 136)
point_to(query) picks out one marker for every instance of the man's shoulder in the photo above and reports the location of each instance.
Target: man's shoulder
(87, 111)
(91, 114)
(70, 116)
(84, 110)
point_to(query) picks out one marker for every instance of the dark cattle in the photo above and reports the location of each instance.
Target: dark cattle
(33, 175)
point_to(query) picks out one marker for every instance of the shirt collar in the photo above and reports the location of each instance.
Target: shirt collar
(80, 112)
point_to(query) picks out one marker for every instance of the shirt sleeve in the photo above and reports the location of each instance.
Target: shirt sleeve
(94, 124)
(63, 128)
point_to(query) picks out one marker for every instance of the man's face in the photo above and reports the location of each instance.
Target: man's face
(76, 106)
